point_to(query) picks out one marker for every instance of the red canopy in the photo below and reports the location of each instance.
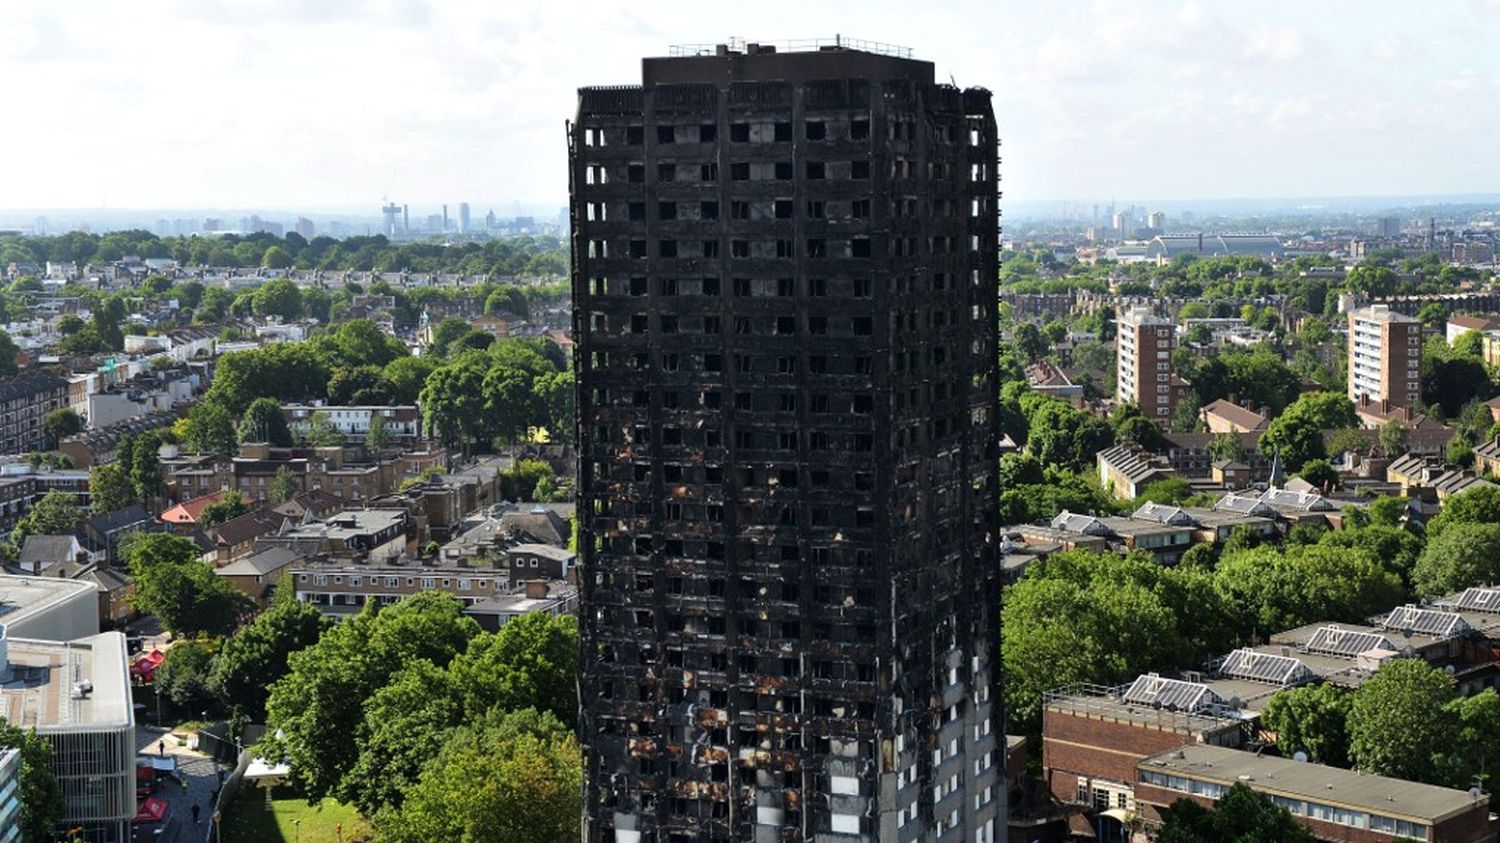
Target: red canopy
(145, 666)
(152, 810)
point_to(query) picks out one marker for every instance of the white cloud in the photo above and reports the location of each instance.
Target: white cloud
(306, 103)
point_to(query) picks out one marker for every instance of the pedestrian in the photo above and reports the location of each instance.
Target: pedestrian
(161, 747)
(196, 810)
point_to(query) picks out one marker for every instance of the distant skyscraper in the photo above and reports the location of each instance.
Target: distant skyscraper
(463, 217)
(489, 220)
(305, 227)
(784, 291)
(212, 224)
(1157, 221)
(1388, 227)
(1121, 224)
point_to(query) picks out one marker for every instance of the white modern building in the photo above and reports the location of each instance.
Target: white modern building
(49, 608)
(76, 695)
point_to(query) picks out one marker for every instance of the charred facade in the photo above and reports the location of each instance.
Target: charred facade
(784, 280)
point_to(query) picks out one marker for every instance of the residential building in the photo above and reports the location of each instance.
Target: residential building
(77, 696)
(1385, 356)
(1143, 370)
(25, 401)
(103, 532)
(52, 556)
(551, 597)
(186, 516)
(1227, 417)
(484, 590)
(376, 535)
(538, 562)
(113, 589)
(1125, 470)
(784, 293)
(1332, 803)
(403, 422)
(1462, 323)
(257, 574)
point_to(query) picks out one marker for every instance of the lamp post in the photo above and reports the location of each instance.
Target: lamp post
(297, 829)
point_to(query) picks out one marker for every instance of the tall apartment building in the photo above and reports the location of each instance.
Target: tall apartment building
(25, 401)
(1385, 356)
(784, 283)
(1143, 364)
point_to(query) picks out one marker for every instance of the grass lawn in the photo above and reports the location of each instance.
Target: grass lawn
(248, 821)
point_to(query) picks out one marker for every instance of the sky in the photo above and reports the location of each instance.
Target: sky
(316, 105)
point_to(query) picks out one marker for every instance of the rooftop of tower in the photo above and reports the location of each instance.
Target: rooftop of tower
(787, 61)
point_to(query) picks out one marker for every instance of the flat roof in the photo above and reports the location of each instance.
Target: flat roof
(1388, 797)
(22, 597)
(39, 692)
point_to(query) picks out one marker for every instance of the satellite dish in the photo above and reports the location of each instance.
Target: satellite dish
(1299, 755)
(1451, 670)
(1475, 792)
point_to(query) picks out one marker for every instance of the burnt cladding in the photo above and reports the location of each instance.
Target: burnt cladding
(784, 281)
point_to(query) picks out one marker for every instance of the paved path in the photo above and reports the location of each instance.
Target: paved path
(201, 774)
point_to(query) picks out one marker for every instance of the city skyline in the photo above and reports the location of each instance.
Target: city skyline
(307, 106)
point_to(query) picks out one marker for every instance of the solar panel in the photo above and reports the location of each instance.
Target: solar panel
(1334, 641)
(1172, 694)
(1425, 622)
(1479, 599)
(1246, 663)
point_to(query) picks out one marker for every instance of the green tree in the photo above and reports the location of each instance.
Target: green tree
(1131, 425)
(284, 486)
(60, 424)
(1476, 506)
(1321, 474)
(1400, 724)
(1478, 738)
(210, 429)
(1396, 549)
(406, 377)
(1260, 378)
(1241, 815)
(182, 592)
(263, 421)
(55, 514)
(1272, 589)
(183, 675)
(255, 657)
(1062, 436)
(110, 488)
(1313, 719)
(532, 787)
(379, 436)
(276, 258)
(1298, 431)
(232, 505)
(1169, 490)
(322, 431)
(40, 793)
(1460, 556)
(8, 352)
(358, 385)
(278, 297)
(1028, 340)
(320, 699)
(1393, 439)
(1076, 621)
(1227, 446)
(447, 332)
(453, 402)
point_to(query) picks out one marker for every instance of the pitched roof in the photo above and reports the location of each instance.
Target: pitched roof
(28, 384)
(43, 549)
(250, 526)
(1473, 323)
(120, 518)
(261, 562)
(1136, 464)
(191, 511)
(1236, 415)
